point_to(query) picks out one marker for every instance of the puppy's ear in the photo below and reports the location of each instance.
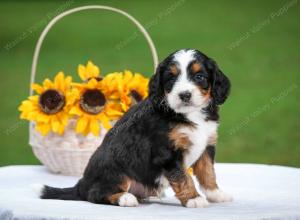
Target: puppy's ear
(156, 89)
(220, 83)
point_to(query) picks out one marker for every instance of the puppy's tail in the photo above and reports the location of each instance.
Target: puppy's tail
(48, 192)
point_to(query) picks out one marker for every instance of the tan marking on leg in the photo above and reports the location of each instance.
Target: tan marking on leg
(184, 188)
(113, 199)
(123, 187)
(204, 171)
(181, 141)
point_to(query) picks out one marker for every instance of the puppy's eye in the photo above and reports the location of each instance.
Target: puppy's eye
(200, 78)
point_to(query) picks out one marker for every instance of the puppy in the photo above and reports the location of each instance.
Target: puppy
(159, 139)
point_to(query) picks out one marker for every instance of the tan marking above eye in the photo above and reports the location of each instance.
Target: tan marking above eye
(174, 69)
(196, 67)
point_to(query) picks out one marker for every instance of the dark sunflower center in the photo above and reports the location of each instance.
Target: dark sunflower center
(92, 101)
(136, 96)
(51, 101)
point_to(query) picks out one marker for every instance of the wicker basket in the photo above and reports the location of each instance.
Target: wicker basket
(69, 160)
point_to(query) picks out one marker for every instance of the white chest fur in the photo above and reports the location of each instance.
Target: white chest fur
(199, 136)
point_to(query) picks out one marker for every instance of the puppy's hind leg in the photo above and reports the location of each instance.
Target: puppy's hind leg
(115, 194)
(124, 198)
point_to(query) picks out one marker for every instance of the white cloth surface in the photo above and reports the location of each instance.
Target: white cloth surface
(259, 192)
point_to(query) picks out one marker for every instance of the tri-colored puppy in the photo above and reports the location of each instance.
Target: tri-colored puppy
(159, 138)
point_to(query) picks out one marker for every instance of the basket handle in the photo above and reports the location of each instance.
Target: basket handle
(82, 8)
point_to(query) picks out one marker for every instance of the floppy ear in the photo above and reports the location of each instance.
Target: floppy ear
(220, 83)
(156, 89)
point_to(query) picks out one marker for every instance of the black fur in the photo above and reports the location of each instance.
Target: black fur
(138, 146)
(220, 83)
(211, 150)
(63, 193)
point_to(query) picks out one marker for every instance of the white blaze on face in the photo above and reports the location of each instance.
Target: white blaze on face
(183, 84)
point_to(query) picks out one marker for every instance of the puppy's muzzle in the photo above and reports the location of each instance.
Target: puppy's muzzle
(185, 96)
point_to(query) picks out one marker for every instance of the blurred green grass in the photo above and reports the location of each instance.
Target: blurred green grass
(259, 122)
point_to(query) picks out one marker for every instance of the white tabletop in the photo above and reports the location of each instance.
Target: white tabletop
(259, 191)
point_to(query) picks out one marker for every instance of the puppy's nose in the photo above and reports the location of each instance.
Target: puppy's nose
(185, 96)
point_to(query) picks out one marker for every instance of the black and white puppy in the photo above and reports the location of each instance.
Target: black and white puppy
(159, 139)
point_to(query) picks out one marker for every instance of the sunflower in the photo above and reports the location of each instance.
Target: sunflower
(132, 88)
(49, 109)
(89, 71)
(93, 107)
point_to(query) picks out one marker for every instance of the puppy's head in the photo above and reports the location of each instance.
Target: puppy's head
(188, 81)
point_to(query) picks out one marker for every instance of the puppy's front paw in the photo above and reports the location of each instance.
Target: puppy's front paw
(198, 202)
(217, 195)
(128, 200)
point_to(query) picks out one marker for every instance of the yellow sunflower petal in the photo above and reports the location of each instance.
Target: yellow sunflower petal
(82, 72)
(127, 76)
(34, 98)
(36, 87)
(48, 84)
(27, 106)
(43, 128)
(86, 131)
(23, 115)
(114, 113)
(32, 115)
(64, 118)
(92, 69)
(61, 129)
(125, 107)
(42, 118)
(113, 110)
(55, 124)
(67, 84)
(92, 83)
(105, 121)
(75, 110)
(59, 81)
(94, 127)
(81, 124)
